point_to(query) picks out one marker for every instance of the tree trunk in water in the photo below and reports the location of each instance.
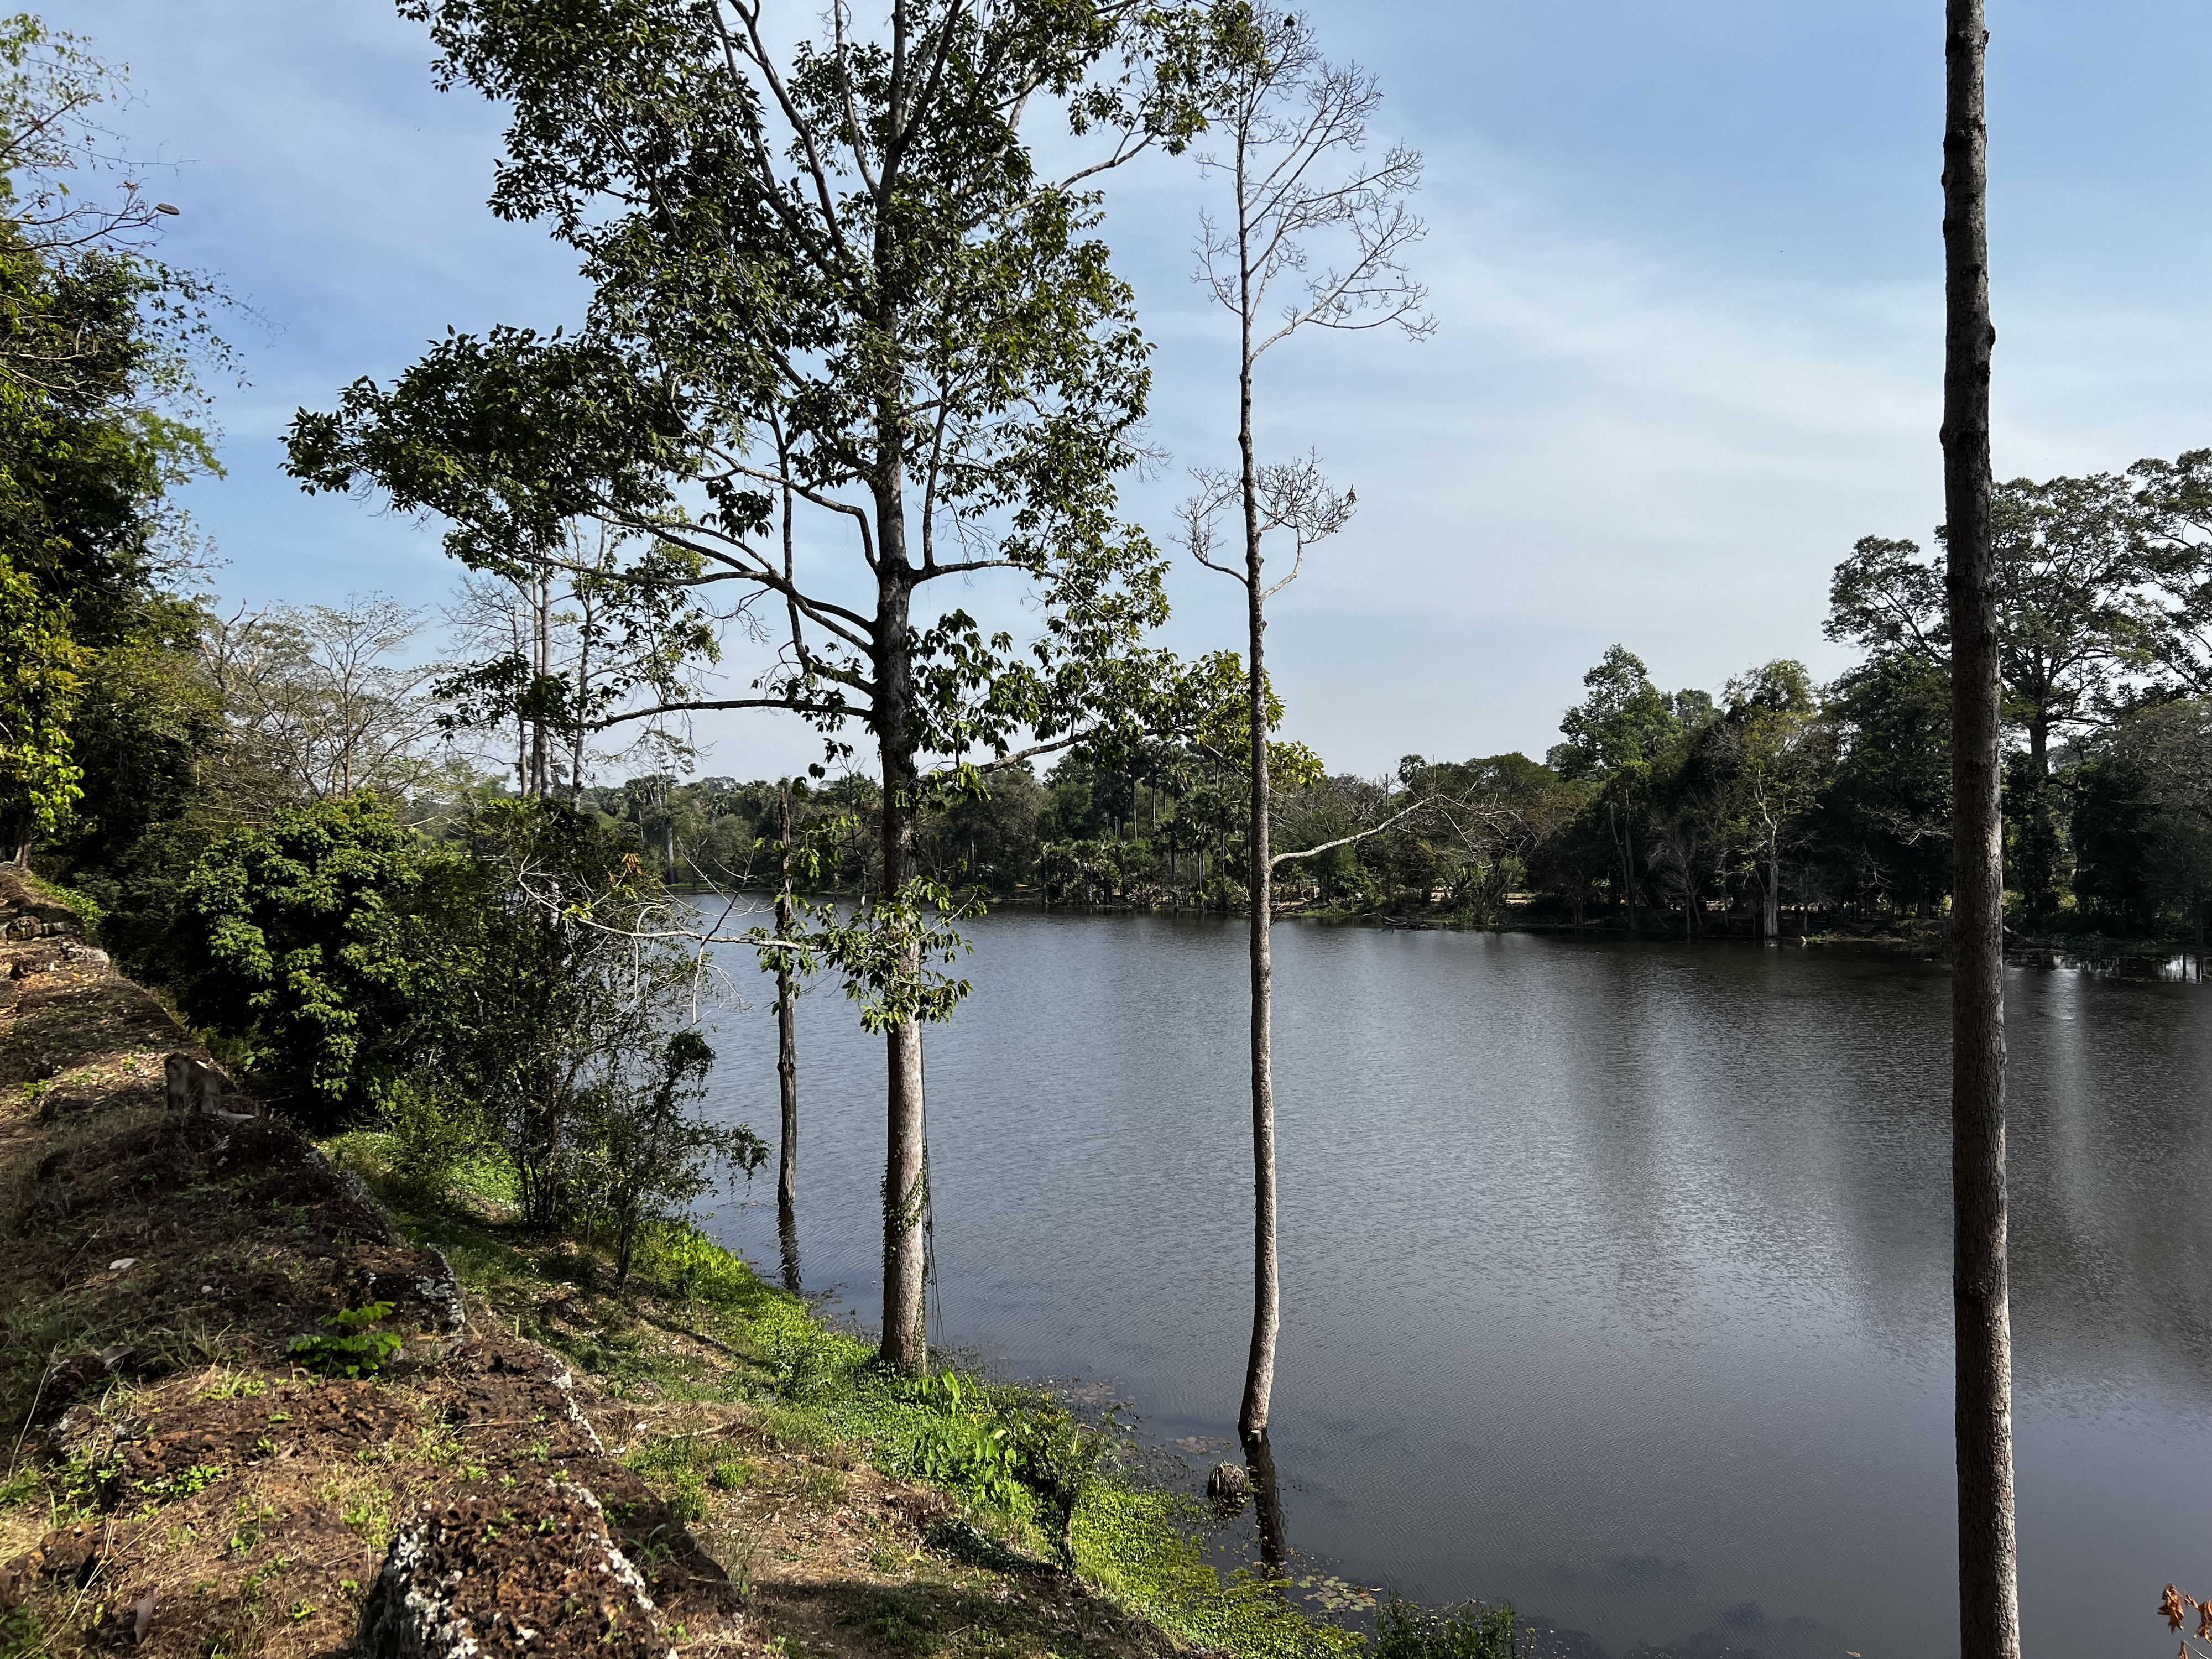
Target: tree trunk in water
(1266, 1291)
(1772, 919)
(1268, 1503)
(786, 1238)
(786, 1067)
(905, 1347)
(1989, 1599)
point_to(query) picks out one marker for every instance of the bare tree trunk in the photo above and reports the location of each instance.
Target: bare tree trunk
(1773, 921)
(1267, 1286)
(541, 655)
(906, 1169)
(1627, 870)
(577, 738)
(787, 1054)
(1989, 1597)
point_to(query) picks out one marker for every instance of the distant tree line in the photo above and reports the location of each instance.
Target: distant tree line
(1773, 804)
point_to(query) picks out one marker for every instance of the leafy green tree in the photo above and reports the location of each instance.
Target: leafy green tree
(555, 972)
(646, 1157)
(162, 781)
(99, 419)
(2175, 499)
(2142, 819)
(1615, 738)
(149, 728)
(829, 280)
(988, 841)
(1885, 814)
(1773, 749)
(2074, 561)
(98, 339)
(298, 940)
(41, 677)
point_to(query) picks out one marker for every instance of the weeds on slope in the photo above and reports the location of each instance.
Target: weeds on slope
(1030, 1485)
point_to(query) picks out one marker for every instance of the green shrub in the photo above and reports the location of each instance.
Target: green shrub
(299, 938)
(355, 1350)
(429, 1135)
(977, 1459)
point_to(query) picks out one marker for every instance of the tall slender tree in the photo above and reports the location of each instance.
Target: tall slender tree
(1293, 128)
(787, 1055)
(1989, 1593)
(830, 267)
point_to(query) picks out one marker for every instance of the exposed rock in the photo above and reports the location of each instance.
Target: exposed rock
(1229, 1484)
(421, 1281)
(72, 1554)
(518, 1568)
(63, 1382)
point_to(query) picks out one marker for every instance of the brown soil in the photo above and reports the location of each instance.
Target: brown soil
(179, 1485)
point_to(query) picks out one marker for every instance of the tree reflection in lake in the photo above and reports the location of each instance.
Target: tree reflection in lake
(1593, 1255)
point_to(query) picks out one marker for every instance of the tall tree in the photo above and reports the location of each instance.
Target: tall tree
(1886, 809)
(2175, 498)
(1988, 1566)
(1293, 128)
(99, 410)
(2073, 561)
(829, 268)
(1773, 748)
(787, 1051)
(554, 639)
(1615, 736)
(40, 676)
(325, 694)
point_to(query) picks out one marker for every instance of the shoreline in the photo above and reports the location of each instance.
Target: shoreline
(777, 1492)
(1927, 939)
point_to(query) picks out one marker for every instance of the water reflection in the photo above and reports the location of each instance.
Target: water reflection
(1267, 1506)
(787, 1237)
(1616, 1279)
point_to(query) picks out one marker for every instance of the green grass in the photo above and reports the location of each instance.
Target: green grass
(1011, 1454)
(88, 909)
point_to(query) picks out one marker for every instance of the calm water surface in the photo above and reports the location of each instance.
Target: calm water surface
(1615, 1278)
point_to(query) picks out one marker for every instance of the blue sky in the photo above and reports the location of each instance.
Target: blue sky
(1685, 259)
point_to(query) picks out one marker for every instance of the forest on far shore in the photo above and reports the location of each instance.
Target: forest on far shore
(1774, 802)
(1771, 804)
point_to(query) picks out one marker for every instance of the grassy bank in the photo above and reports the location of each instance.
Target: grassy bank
(188, 1476)
(757, 1423)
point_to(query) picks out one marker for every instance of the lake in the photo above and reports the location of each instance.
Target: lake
(1616, 1277)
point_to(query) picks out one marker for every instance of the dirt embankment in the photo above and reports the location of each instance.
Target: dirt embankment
(182, 1479)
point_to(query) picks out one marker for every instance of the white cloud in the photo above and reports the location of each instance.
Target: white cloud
(1635, 423)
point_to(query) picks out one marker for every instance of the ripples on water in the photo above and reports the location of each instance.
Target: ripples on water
(1615, 1278)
